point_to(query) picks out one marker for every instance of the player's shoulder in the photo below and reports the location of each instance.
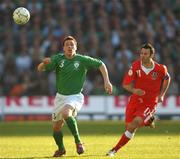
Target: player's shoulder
(160, 66)
(136, 64)
(80, 55)
(58, 55)
(83, 57)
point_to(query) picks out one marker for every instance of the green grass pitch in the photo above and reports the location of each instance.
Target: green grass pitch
(33, 140)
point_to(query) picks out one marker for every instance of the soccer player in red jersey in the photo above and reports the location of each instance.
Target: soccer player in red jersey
(148, 82)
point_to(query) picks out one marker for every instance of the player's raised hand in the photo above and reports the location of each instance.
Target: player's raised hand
(138, 92)
(108, 87)
(46, 60)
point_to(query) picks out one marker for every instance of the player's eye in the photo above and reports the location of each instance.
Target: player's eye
(69, 44)
(143, 53)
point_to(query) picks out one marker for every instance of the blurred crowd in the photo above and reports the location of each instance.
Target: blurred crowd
(112, 30)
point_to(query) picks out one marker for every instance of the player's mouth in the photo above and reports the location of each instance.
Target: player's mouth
(70, 50)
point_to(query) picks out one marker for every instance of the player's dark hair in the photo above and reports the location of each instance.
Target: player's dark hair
(69, 38)
(148, 46)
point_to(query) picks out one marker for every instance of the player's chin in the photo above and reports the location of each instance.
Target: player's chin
(143, 60)
(70, 53)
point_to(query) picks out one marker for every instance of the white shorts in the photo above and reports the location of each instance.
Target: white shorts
(75, 101)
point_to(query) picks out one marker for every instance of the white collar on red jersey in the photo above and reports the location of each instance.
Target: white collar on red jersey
(147, 70)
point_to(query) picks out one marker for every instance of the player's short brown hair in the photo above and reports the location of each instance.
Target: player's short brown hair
(148, 46)
(69, 38)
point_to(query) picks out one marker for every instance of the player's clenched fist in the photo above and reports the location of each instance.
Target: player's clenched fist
(138, 92)
(46, 60)
(108, 87)
(41, 66)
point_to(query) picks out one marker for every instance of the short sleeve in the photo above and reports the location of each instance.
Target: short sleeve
(165, 72)
(129, 76)
(90, 62)
(52, 65)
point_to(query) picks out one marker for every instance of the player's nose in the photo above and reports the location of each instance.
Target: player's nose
(70, 46)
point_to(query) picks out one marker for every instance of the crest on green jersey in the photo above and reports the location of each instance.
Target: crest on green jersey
(76, 64)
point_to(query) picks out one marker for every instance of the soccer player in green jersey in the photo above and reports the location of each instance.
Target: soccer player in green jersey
(70, 69)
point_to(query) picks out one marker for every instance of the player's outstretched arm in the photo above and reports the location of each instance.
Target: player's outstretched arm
(107, 83)
(41, 66)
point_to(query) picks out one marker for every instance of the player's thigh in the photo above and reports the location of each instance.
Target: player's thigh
(58, 106)
(130, 113)
(67, 106)
(146, 111)
(76, 101)
(73, 104)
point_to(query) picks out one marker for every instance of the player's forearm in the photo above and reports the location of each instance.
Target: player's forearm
(107, 84)
(41, 67)
(136, 91)
(165, 86)
(104, 72)
(129, 88)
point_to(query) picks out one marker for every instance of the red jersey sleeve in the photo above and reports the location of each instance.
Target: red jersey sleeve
(129, 76)
(165, 72)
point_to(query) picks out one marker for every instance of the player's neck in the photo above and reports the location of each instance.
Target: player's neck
(70, 56)
(148, 64)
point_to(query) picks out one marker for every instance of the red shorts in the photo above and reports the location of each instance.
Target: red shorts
(141, 109)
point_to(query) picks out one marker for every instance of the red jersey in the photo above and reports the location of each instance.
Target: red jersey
(149, 82)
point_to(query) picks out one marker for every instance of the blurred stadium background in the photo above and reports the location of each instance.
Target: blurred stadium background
(112, 30)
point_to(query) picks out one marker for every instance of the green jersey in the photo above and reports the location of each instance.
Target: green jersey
(71, 73)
